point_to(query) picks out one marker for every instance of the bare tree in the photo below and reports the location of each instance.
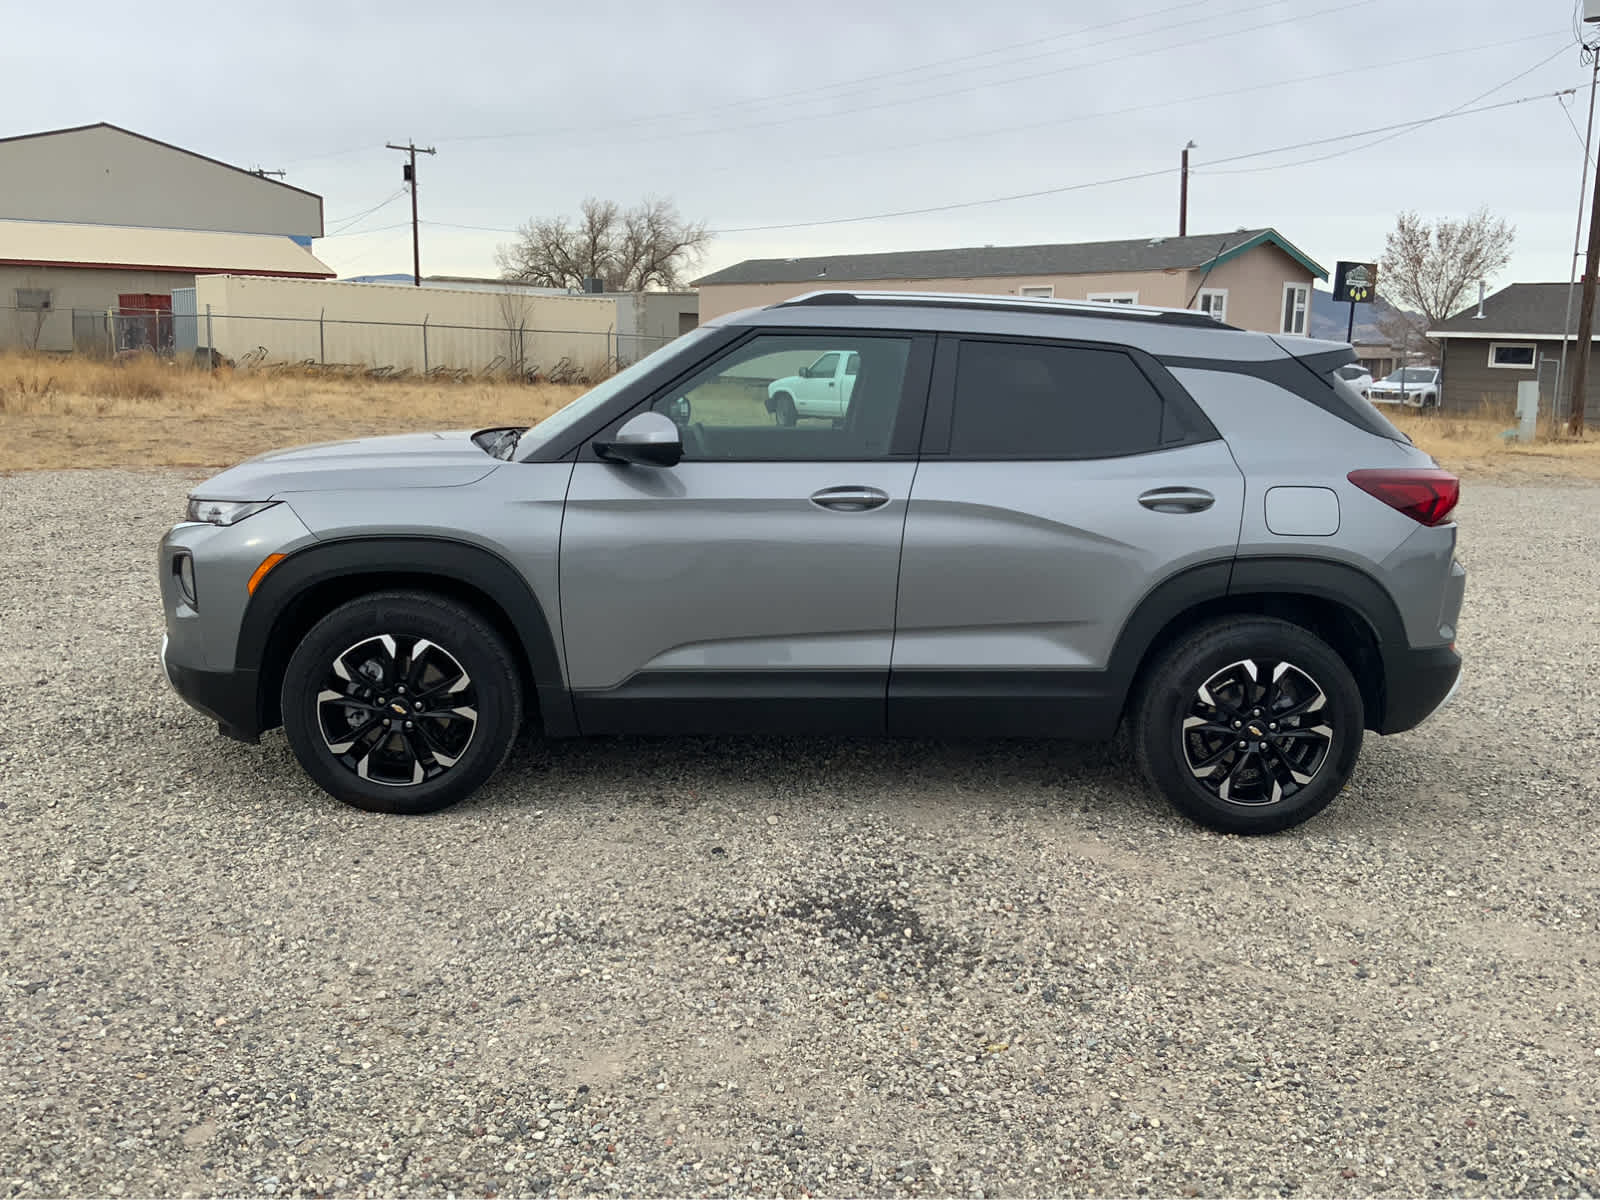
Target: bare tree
(647, 246)
(1432, 269)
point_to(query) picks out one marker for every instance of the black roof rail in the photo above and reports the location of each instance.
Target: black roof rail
(989, 303)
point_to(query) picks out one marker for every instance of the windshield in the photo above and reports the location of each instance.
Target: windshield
(1412, 375)
(568, 415)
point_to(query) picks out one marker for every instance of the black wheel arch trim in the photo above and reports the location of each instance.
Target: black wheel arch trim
(454, 563)
(1347, 586)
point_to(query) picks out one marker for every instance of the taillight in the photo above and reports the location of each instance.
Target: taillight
(1427, 495)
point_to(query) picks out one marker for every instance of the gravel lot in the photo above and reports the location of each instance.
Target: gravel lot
(787, 966)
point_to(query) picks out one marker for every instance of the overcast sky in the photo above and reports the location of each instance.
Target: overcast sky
(749, 114)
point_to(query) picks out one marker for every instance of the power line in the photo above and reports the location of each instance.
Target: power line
(1075, 187)
(374, 229)
(864, 81)
(1185, 44)
(344, 223)
(1399, 127)
(1391, 136)
(775, 97)
(1409, 60)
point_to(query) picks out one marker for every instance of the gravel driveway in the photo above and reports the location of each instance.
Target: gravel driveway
(787, 966)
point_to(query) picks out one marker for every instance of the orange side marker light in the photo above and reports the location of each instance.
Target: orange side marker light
(260, 572)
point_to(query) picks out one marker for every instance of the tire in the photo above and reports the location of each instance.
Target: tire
(1289, 773)
(784, 411)
(364, 649)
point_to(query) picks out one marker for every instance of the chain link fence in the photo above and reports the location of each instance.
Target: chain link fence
(378, 349)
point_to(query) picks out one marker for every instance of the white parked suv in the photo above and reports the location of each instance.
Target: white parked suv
(1356, 376)
(1416, 387)
(821, 390)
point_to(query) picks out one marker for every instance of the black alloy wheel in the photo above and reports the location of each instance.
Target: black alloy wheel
(401, 702)
(1248, 724)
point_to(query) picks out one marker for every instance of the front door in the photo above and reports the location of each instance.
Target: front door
(752, 586)
(1060, 485)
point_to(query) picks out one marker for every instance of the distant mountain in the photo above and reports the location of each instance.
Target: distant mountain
(1329, 318)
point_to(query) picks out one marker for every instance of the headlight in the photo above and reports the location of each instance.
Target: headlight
(225, 512)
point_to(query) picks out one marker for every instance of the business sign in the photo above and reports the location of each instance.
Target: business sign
(1355, 283)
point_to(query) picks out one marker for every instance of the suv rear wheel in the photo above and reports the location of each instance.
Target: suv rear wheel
(401, 702)
(1249, 725)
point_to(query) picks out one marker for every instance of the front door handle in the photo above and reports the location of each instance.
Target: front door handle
(850, 499)
(1177, 500)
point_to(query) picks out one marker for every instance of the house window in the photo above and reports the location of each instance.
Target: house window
(1516, 356)
(1114, 297)
(1296, 299)
(1047, 292)
(1215, 302)
(33, 299)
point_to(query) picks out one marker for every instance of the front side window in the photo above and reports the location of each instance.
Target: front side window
(1020, 401)
(1296, 298)
(781, 397)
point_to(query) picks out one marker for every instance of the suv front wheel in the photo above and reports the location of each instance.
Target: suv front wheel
(401, 702)
(1249, 725)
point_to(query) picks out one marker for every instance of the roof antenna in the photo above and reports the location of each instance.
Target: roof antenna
(1478, 316)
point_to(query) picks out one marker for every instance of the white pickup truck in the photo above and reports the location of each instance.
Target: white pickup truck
(821, 390)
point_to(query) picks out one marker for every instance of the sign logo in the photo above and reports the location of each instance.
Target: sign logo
(1355, 283)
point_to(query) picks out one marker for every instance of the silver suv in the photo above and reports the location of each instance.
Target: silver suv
(1028, 517)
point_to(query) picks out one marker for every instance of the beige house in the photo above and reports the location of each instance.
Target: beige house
(1251, 278)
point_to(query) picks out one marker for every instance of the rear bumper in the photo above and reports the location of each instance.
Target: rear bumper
(227, 697)
(1418, 684)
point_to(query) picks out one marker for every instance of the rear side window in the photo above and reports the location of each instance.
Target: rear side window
(1021, 401)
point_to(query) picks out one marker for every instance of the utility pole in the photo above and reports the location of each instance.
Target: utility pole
(1584, 350)
(409, 174)
(1183, 193)
(1577, 235)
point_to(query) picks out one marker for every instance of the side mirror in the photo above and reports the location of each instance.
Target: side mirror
(649, 439)
(805, 372)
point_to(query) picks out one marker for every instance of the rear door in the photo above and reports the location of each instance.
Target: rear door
(1059, 484)
(752, 586)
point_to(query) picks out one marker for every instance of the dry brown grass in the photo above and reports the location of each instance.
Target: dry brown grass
(1472, 446)
(79, 412)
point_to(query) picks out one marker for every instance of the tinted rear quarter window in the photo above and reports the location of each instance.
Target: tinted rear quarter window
(1022, 401)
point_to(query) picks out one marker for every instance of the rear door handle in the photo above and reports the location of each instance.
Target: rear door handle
(1177, 500)
(850, 499)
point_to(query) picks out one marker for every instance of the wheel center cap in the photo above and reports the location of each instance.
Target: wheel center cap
(398, 708)
(1255, 730)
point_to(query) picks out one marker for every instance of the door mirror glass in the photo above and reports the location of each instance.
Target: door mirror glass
(649, 439)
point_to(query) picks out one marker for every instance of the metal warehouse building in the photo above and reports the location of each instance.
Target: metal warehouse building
(97, 220)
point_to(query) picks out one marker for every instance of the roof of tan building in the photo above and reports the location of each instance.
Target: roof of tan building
(122, 247)
(978, 262)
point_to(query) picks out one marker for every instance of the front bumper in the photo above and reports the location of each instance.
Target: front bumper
(227, 697)
(1419, 683)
